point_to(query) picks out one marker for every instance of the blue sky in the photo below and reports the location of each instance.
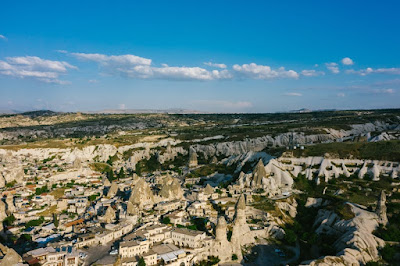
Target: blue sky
(218, 56)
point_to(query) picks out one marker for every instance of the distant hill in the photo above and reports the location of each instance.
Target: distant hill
(145, 111)
(305, 110)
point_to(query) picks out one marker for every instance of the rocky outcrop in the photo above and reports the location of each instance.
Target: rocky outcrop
(315, 202)
(132, 209)
(77, 163)
(355, 242)
(109, 216)
(192, 158)
(259, 174)
(9, 256)
(10, 204)
(328, 167)
(3, 213)
(272, 178)
(288, 207)
(222, 248)
(113, 190)
(381, 209)
(14, 174)
(106, 182)
(142, 195)
(171, 188)
(241, 234)
(208, 190)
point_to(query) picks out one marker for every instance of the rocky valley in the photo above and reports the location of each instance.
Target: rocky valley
(315, 188)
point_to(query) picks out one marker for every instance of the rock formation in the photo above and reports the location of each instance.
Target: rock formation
(259, 174)
(222, 248)
(9, 256)
(272, 178)
(3, 213)
(208, 190)
(109, 216)
(142, 194)
(192, 158)
(106, 182)
(10, 204)
(2, 181)
(356, 245)
(113, 190)
(381, 209)
(77, 163)
(171, 188)
(132, 209)
(241, 234)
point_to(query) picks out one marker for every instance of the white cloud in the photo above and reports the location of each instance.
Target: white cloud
(312, 73)
(62, 51)
(122, 106)
(369, 70)
(3, 37)
(138, 67)
(215, 65)
(264, 72)
(333, 67)
(393, 71)
(224, 104)
(34, 67)
(93, 81)
(34, 62)
(347, 61)
(175, 73)
(293, 94)
(361, 72)
(117, 60)
(341, 94)
(385, 91)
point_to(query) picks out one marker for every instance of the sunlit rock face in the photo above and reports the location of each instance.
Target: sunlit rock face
(241, 234)
(381, 209)
(222, 248)
(113, 190)
(171, 188)
(271, 178)
(356, 244)
(142, 194)
(9, 256)
(192, 158)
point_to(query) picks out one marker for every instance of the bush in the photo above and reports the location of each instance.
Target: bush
(388, 253)
(166, 220)
(290, 236)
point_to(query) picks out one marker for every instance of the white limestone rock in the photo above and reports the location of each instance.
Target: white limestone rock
(171, 188)
(142, 194)
(113, 190)
(9, 256)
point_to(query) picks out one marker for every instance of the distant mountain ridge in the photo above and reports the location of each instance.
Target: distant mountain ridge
(145, 111)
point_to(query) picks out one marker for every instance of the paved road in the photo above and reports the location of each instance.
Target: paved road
(97, 252)
(266, 255)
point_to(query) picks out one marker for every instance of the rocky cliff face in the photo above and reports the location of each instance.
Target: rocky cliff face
(142, 194)
(273, 178)
(381, 209)
(356, 244)
(10, 256)
(171, 188)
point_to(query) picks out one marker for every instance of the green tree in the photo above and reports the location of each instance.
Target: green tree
(121, 173)
(141, 262)
(290, 236)
(55, 220)
(166, 220)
